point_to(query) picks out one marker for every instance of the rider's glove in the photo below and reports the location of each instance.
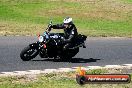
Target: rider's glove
(49, 28)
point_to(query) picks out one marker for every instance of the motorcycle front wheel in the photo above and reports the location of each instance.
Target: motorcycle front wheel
(28, 53)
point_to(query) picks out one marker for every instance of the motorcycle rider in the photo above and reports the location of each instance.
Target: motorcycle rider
(70, 32)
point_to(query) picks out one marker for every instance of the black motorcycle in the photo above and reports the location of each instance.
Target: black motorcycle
(50, 45)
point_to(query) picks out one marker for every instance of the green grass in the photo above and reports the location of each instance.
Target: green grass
(97, 71)
(98, 18)
(53, 80)
(127, 1)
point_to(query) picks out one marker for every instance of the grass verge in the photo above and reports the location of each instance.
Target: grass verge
(55, 80)
(96, 18)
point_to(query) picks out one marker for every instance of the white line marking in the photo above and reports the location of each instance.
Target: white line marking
(29, 72)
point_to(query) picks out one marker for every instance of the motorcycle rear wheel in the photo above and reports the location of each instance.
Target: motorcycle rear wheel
(68, 54)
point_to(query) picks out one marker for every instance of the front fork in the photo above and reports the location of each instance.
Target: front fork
(34, 45)
(37, 45)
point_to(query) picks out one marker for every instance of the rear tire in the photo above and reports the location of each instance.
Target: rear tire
(25, 54)
(68, 54)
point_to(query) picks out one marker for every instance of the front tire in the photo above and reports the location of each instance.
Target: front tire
(28, 53)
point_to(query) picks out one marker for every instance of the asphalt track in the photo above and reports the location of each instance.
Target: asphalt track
(99, 52)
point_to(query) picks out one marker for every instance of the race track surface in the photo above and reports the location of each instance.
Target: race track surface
(99, 51)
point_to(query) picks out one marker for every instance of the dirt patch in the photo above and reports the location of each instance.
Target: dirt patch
(108, 9)
(25, 79)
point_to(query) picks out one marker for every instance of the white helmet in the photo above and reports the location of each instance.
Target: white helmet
(67, 20)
